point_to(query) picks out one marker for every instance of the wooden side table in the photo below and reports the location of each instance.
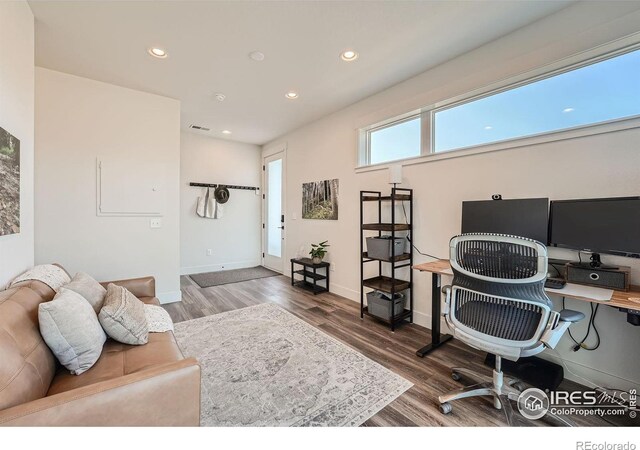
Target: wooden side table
(310, 275)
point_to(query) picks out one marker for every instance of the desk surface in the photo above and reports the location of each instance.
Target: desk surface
(619, 299)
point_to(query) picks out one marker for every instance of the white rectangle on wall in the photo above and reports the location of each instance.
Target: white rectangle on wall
(129, 188)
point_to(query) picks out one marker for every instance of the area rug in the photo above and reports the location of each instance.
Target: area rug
(209, 279)
(262, 366)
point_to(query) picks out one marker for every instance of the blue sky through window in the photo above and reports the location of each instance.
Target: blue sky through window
(396, 142)
(599, 92)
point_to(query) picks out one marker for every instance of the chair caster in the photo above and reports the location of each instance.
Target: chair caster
(519, 385)
(456, 376)
(445, 408)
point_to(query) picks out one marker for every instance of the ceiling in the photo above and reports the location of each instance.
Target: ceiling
(208, 43)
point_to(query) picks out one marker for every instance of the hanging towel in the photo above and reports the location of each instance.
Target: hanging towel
(219, 211)
(206, 206)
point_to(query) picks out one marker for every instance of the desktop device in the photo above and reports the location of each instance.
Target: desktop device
(599, 225)
(603, 277)
(555, 283)
(527, 217)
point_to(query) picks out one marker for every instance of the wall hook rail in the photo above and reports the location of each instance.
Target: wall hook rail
(228, 186)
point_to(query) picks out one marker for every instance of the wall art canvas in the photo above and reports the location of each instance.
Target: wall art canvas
(320, 200)
(9, 183)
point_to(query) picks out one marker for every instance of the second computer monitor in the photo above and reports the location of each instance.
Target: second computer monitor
(527, 217)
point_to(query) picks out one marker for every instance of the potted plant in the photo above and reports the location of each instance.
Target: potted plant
(318, 251)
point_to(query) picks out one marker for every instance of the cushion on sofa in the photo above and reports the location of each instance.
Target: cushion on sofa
(122, 316)
(89, 288)
(27, 365)
(119, 359)
(70, 328)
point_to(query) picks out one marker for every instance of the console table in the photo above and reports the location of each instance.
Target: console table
(310, 275)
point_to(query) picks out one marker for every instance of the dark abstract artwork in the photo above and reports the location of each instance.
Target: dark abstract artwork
(9, 183)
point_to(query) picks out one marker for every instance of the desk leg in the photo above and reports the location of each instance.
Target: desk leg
(436, 338)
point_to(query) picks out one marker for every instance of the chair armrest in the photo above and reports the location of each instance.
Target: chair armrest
(165, 395)
(557, 325)
(569, 315)
(446, 290)
(140, 287)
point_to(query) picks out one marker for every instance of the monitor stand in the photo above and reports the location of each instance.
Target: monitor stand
(595, 263)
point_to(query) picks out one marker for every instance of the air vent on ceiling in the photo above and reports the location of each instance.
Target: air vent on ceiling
(198, 127)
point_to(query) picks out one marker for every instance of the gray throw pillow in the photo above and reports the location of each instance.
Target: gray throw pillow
(70, 328)
(89, 288)
(122, 316)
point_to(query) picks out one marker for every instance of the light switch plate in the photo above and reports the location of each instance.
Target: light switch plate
(155, 222)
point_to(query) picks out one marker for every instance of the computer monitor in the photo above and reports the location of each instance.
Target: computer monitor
(528, 217)
(600, 225)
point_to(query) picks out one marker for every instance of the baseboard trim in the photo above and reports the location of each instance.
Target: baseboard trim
(191, 270)
(344, 292)
(169, 297)
(589, 374)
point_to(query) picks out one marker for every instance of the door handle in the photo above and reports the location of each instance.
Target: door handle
(282, 227)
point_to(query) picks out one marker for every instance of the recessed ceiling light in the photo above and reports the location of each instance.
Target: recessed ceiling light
(566, 110)
(349, 55)
(226, 132)
(291, 95)
(256, 56)
(488, 127)
(157, 52)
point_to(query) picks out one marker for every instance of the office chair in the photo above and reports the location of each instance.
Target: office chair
(497, 303)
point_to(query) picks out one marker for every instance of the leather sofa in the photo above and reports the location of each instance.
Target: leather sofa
(148, 385)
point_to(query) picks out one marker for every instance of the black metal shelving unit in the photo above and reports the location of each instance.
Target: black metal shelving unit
(309, 271)
(388, 284)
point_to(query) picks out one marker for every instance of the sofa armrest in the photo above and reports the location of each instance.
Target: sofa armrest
(164, 395)
(140, 287)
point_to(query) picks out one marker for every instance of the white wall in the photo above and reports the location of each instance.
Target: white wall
(16, 116)
(597, 166)
(234, 239)
(78, 121)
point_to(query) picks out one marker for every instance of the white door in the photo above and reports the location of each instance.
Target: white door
(273, 236)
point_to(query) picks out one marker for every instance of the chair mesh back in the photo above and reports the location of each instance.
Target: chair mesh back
(505, 319)
(500, 260)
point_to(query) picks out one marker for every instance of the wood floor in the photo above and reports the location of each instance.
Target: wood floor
(340, 318)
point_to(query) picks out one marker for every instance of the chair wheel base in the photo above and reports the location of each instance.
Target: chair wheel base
(445, 408)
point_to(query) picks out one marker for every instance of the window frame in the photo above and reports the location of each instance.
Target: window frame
(427, 137)
(365, 137)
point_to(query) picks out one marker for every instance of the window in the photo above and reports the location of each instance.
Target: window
(577, 98)
(600, 92)
(400, 140)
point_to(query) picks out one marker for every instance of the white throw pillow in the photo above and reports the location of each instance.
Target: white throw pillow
(70, 328)
(89, 288)
(123, 317)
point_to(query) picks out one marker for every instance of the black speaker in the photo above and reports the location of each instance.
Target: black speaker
(617, 279)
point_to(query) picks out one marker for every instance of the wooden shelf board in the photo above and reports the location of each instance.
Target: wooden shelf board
(399, 318)
(386, 198)
(386, 226)
(308, 262)
(309, 286)
(309, 274)
(402, 257)
(384, 284)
